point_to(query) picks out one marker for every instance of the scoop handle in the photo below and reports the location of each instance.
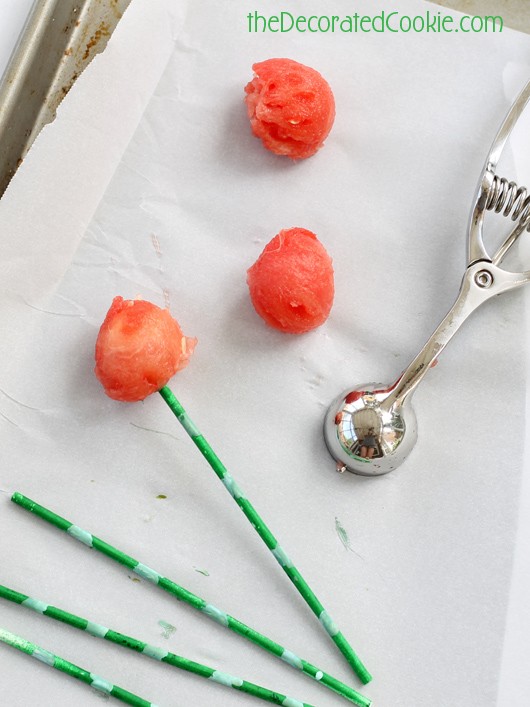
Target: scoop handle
(481, 281)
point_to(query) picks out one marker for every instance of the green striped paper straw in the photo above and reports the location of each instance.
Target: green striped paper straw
(193, 600)
(54, 661)
(152, 651)
(265, 534)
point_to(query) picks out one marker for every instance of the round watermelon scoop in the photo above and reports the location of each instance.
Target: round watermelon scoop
(139, 348)
(291, 284)
(290, 106)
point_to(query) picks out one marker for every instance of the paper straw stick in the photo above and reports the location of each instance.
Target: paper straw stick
(152, 651)
(265, 534)
(54, 661)
(193, 600)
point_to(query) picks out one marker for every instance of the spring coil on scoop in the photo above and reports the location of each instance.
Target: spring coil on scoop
(512, 200)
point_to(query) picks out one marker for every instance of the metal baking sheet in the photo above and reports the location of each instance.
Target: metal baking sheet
(59, 40)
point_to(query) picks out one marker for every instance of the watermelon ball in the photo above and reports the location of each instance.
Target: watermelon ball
(290, 106)
(291, 283)
(138, 349)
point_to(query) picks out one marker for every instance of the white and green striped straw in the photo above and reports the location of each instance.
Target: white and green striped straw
(177, 661)
(64, 666)
(182, 594)
(266, 535)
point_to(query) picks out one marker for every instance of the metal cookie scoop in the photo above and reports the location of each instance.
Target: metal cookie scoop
(372, 428)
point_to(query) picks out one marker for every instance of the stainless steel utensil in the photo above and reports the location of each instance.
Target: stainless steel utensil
(372, 428)
(59, 40)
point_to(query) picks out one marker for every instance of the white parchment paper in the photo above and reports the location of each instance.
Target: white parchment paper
(149, 183)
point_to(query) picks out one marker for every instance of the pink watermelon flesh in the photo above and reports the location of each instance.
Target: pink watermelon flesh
(291, 284)
(290, 106)
(138, 349)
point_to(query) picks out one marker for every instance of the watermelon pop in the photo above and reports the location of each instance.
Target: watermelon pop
(138, 349)
(290, 106)
(291, 284)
